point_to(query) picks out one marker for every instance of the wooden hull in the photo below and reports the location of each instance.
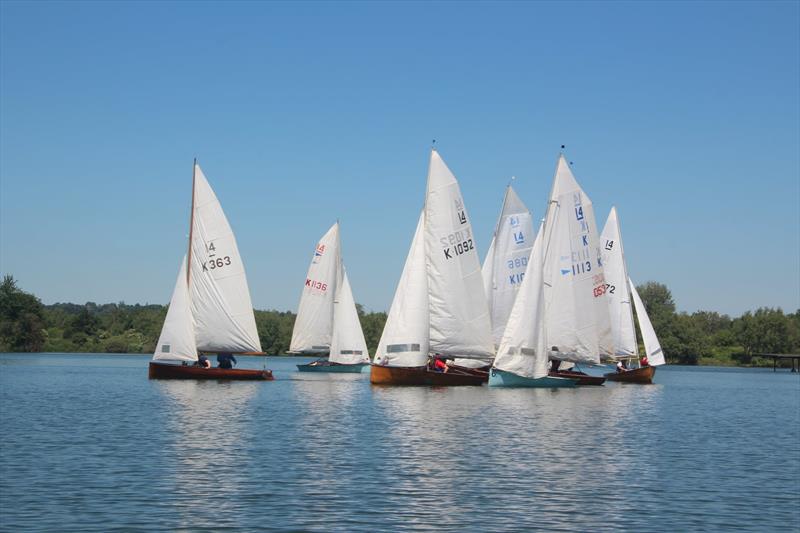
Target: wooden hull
(642, 375)
(480, 372)
(501, 378)
(346, 369)
(173, 371)
(421, 376)
(582, 377)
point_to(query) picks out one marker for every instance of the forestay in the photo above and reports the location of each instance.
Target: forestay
(220, 298)
(404, 341)
(176, 342)
(505, 264)
(577, 325)
(655, 356)
(347, 345)
(522, 348)
(459, 315)
(623, 332)
(313, 327)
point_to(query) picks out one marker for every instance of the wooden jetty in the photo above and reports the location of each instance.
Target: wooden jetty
(775, 356)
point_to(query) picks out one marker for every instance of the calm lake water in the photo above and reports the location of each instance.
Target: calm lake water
(90, 444)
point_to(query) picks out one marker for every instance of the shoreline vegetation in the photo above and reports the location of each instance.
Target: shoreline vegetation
(27, 325)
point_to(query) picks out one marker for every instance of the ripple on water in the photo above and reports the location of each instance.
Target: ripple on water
(90, 444)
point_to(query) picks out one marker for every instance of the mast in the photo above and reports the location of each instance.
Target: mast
(191, 226)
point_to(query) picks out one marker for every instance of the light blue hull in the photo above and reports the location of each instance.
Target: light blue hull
(501, 378)
(348, 369)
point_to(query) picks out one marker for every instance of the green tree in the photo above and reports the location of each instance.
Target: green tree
(21, 319)
(765, 331)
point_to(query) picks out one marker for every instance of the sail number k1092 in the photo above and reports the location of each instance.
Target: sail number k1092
(457, 243)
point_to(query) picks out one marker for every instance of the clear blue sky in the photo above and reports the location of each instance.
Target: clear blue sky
(685, 115)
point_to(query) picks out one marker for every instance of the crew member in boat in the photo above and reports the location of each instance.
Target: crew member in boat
(225, 360)
(439, 365)
(621, 366)
(203, 361)
(554, 365)
(644, 362)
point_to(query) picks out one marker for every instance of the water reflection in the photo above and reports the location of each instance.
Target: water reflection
(206, 435)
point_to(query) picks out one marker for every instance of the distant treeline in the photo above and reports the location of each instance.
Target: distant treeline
(703, 337)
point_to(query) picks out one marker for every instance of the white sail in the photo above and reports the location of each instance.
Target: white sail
(405, 340)
(655, 356)
(623, 332)
(313, 327)
(522, 348)
(220, 298)
(487, 270)
(459, 315)
(505, 264)
(577, 326)
(347, 345)
(176, 342)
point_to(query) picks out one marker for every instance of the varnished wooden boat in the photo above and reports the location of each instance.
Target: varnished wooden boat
(642, 375)
(173, 371)
(482, 372)
(421, 376)
(582, 377)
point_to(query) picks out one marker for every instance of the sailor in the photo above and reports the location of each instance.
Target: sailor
(644, 362)
(225, 360)
(203, 361)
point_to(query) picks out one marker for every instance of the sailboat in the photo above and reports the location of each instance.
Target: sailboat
(622, 297)
(522, 359)
(210, 310)
(507, 259)
(577, 328)
(439, 308)
(327, 319)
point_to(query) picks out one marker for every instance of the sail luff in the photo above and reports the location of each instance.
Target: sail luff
(191, 226)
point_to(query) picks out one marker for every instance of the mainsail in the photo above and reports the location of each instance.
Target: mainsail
(220, 298)
(405, 341)
(176, 341)
(522, 348)
(459, 316)
(347, 345)
(577, 327)
(506, 262)
(619, 299)
(313, 327)
(655, 356)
